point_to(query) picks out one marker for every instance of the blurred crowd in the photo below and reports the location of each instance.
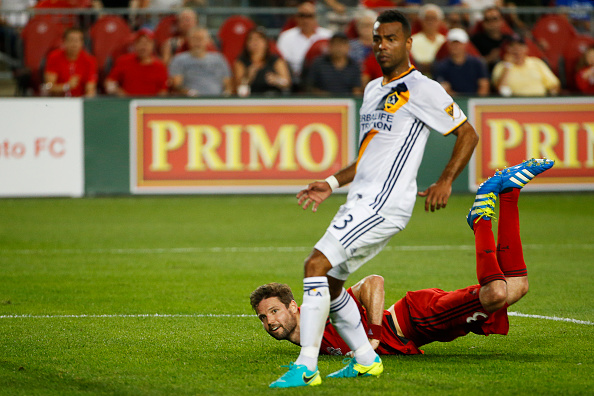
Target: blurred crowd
(474, 49)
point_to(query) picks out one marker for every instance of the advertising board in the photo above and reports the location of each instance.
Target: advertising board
(237, 146)
(512, 130)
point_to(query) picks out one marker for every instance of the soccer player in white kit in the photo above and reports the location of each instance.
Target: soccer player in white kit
(397, 111)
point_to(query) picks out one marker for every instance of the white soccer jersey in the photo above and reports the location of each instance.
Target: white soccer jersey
(394, 126)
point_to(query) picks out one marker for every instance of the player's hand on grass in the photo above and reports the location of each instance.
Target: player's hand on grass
(315, 193)
(437, 196)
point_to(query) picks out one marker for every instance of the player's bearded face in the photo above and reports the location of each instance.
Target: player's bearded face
(391, 46)
(278, 320)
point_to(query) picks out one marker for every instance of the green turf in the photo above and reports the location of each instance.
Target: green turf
(102, 257)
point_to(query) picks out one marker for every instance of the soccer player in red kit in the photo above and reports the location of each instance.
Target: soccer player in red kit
(139, 73)
(71, 71)
(429, 315)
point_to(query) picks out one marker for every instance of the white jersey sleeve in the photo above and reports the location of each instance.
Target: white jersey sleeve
(431, 104)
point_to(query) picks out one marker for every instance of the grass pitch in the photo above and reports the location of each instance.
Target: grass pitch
(120, 261)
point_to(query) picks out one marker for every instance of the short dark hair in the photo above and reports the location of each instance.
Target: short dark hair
(390, 16)
(72, 30)
(280, 290)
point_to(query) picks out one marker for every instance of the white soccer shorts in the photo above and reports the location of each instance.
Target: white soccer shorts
(355, 236)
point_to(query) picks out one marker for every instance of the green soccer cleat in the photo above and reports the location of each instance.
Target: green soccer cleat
(298, 375)
(484, 207)
(354, 369)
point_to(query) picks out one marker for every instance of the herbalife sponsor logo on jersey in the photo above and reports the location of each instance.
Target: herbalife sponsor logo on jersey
(379, 120)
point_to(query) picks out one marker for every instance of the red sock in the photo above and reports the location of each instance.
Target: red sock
(509, 246)
(487, 268)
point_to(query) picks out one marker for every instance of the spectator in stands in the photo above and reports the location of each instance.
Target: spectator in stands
(198, 72)
(362, 46)
(461, 73)
(140, 73)
(478, 7)
(522, 75)
(12, 12)
(187, 19)
(585, 75)
(71, 71)
(257, 70)
(456, 20)
(335, 73)
(427, 42)
(490, 38)
(12, 20)
(294, 43)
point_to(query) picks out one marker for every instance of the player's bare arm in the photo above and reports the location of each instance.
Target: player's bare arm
(318, 191)
(439, 192)
(370, 293)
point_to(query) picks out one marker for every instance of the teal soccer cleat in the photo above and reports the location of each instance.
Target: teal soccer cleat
(354, 369)
(298, 375)
(484, 207)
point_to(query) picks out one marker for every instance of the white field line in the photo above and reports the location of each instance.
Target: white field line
(268, 249)
(555, 318)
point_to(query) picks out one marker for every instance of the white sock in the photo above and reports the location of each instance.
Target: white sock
(346, 318)
(314, 312)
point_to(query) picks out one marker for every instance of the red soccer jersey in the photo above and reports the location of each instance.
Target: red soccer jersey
(139, 79)
(390, 343)
(84, 66)
(432, 315)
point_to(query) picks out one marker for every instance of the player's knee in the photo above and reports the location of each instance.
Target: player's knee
(316, 265)
(375, 281)
(494, 295)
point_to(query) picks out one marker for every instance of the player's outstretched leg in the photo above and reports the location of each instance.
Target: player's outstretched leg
(354, 369)
(298, 375)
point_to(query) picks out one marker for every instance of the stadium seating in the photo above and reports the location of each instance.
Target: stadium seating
(232, 35)
(318, 48)
(553, 33)
(571, 55)
(165, 29)
(109, 34)
(40, 36)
